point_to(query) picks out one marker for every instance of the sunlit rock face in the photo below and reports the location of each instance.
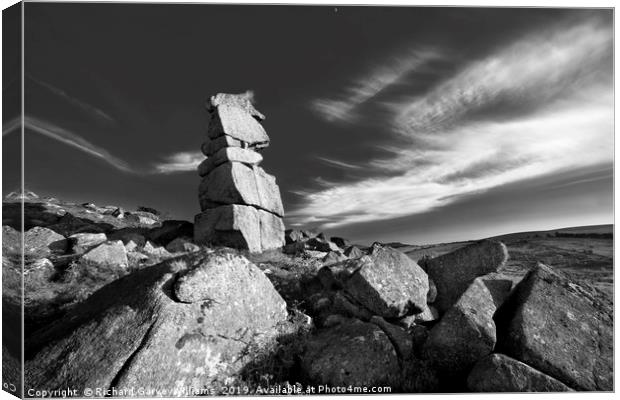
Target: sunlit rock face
(240, 203)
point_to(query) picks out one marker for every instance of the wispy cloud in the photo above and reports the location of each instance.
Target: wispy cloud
(344, 107)
(180, 162)
(92, 110)
(175, 163)
(541, 105)
(72, 139)
(337, 163)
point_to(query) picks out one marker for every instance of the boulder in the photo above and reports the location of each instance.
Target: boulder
(271, 230)
(236, 183)
(170, 230)
(401, 340)
(351, 353)
(500, 373)
(340, 242)
(334, 257)
(560, 328)
(391, 285)
(134, 333)
(467, 332)
(11, 242)
(294, 248)
(343, 305)
(141, 219)
(68, 225)
(233, 226)
(237, 154)
(111, 253)
(212, 146)
(224, 276)
(158, 252)
(429, 315)
(241, 227)
(41, 242)
(432, 292)
(242, 101)
(353, 252)
(81, 242)
(321, 245)
(452, 273)
(182, 245)
(237, 123)
(293, 236)
(334, 276)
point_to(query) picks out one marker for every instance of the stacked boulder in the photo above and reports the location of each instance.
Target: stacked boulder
(240, 203)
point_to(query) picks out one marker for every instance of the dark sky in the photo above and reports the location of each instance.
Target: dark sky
(402, 123)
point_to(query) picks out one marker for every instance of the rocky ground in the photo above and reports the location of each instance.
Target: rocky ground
(121, 299)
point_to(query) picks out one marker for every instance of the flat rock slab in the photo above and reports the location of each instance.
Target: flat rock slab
(112, 253)
(391, 285)
(351, 353)
(241, 227)
(467, 332)
(559, 328)
(237, 183)
(42, 242)
(239, 100)
(134, 333)
(454, 272)
(81, 242)
(500, 373)
(245, 156)
(237, 123)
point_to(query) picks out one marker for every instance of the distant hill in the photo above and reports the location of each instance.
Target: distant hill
(577, 231)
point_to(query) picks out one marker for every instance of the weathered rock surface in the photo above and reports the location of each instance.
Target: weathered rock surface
(229, 154)
(81, 242)
(334, 276)
(182, 245)
(271, 230)
(236, 183)
(237, 123)
(340, 242)
(467, 332)
(351, 353)
(334, 257)
(391, 285)
(321, 245)
(500, 373)
(454, 272)
(239, 227)
(212, 146)
(353, 252)
(240, 100)
(294, 235)
(559, 328)
(401, 340)
(42, 242)
(133, 333)
(170, 230)
(107, 254)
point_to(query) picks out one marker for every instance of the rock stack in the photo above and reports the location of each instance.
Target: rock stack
(240, 202)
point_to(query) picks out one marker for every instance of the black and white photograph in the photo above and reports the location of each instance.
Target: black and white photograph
(248, 199)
